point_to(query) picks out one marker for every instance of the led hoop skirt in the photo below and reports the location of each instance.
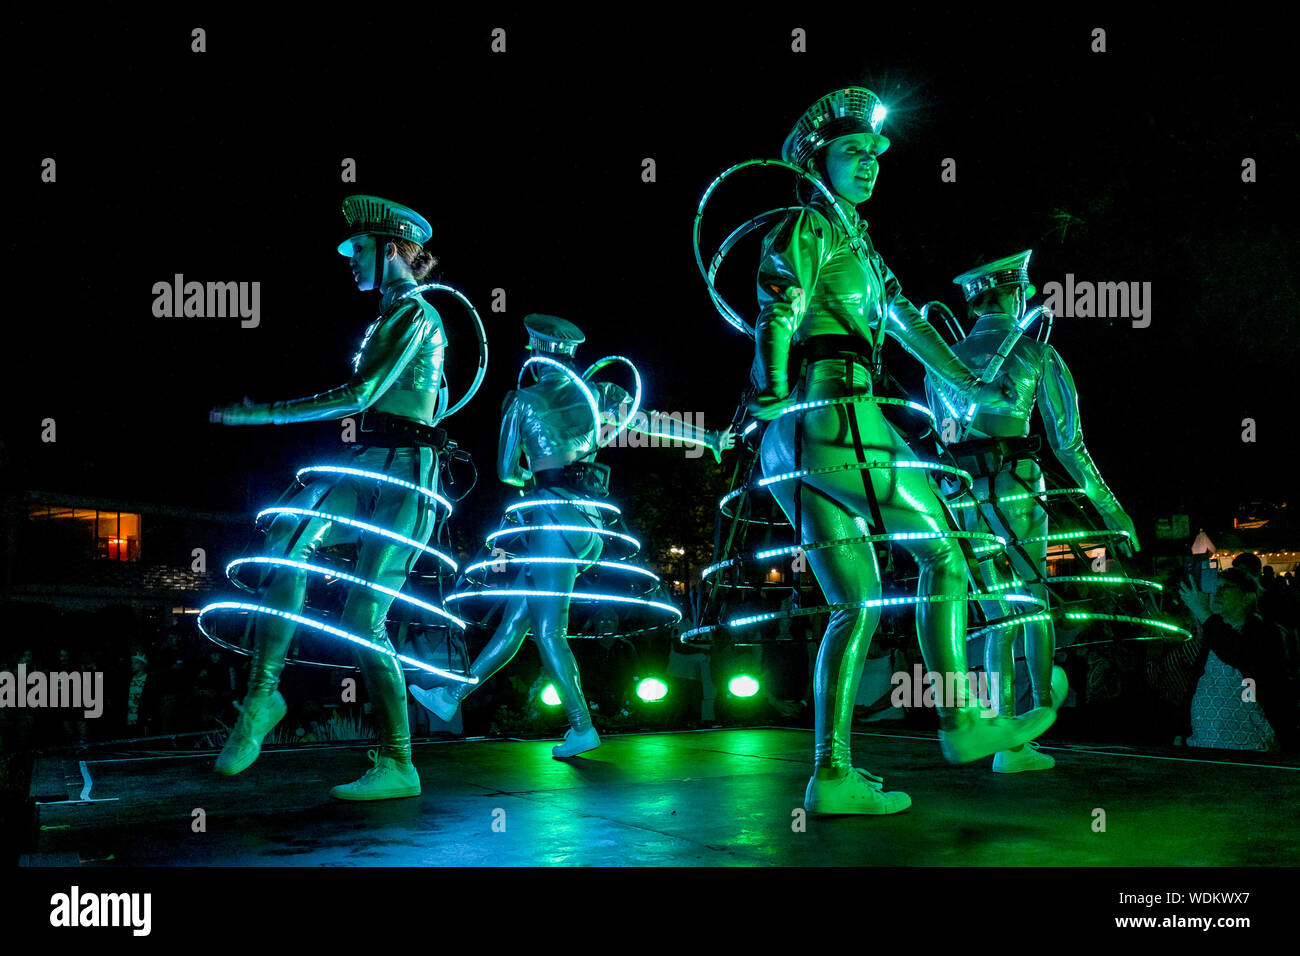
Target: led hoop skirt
(1003, 592)
(1158, 630)
(612, 580)
(332, 571)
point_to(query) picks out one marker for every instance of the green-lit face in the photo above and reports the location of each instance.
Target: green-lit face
(851, 167)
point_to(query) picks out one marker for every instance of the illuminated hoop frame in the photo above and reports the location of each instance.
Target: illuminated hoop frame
(299, 619)
(482, 342)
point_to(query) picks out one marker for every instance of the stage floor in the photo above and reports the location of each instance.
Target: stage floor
(706, 798)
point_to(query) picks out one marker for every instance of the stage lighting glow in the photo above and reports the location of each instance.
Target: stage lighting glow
(651, 689)
(550, 697)
(743, 686)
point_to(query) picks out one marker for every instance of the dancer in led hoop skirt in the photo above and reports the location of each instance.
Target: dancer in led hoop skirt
(551, 425)
(822, 306)
(994, 450)
(395, 388)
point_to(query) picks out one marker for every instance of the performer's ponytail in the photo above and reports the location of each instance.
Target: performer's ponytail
(421, 262)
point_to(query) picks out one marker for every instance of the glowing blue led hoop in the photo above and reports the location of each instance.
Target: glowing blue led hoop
(583, 528)
(596, 366)
(575, 502)
(582, 562)
(961, 475)
(332, 573)
(352, 522)
(728, 313)
(1008, 622)
(731, 496)
(482, 341)
(377, 476)
(853, 399)
(577, 380)
(327, 629)
(584, 596)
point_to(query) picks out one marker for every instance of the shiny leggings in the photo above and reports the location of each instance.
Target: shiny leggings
(379, 559)
(547, 617)
(835, 506)
(1013, 520)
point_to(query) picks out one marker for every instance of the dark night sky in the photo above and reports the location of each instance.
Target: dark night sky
(225, 166)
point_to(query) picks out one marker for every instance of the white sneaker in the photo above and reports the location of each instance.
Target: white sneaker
(854, 792)
(978, 736)
(386, 780)
(1018, 761)
(437, 701)
(575, 744)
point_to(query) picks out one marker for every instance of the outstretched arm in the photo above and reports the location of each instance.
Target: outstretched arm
(388, 347)
(1058, 402)
(616, 412)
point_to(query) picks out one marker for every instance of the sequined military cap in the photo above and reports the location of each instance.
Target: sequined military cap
(373, 216)
(1013, 270)
(551, 333)
(850, 110)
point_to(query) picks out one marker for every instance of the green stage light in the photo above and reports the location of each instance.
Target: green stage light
(743, 686)
(550, 697)
(651, 689)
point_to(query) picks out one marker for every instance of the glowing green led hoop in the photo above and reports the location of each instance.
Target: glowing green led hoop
(352, 522)
(790, 550)
(325, 628)
(728, 313)
(1074, 536)
(1127, 619)
(1104, 579)
(377, 476)
(855, 399)
(693, 635)
(1021, 496)
(961, 475)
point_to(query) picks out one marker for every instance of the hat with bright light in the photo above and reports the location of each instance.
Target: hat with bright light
(550, 333)
(842, 113)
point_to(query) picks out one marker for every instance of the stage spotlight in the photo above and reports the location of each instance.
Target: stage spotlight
(550, 697)
(651, 689)
(743, 686)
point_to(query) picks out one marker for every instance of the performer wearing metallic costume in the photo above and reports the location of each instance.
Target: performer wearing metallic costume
(550, 425)
(822, 306)
(395, 388)
(993, 449)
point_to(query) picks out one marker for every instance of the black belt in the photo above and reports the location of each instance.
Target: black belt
(392, 431)
(832, 346)
(587, 478)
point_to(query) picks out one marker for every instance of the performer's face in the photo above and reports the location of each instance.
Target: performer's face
(362, 261)
(851, 166)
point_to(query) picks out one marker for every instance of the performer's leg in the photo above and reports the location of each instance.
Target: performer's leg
(284, 589)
